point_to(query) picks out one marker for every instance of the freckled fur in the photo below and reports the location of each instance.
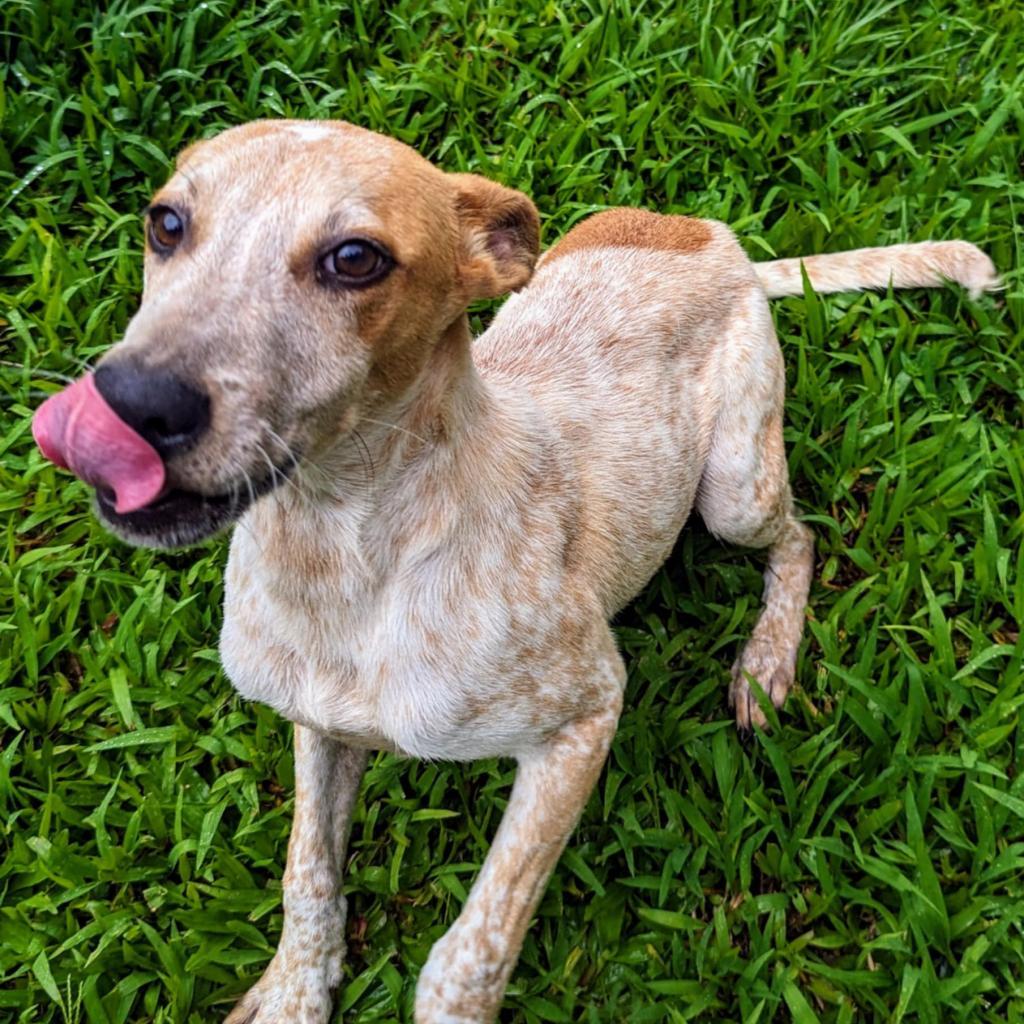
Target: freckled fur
(440, 583)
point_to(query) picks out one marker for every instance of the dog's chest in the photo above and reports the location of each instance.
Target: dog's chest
(410, 666)
(320, 670)
(273, 656)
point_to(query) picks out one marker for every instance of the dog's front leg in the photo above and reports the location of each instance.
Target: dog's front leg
(467, 970)
(299, 982)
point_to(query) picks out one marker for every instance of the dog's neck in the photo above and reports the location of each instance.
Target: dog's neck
(402, 430)
(417, 462)
(442, 401)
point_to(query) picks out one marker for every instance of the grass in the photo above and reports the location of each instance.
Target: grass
(864, 861)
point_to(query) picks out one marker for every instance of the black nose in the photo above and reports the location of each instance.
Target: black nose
(169, 413)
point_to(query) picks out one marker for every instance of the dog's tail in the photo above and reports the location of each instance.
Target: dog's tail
(920, 265)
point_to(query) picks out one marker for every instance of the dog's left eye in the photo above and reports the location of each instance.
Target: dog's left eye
(166, 229)
(355, 262)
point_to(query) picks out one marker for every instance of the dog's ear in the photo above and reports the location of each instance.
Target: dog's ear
(500, 236)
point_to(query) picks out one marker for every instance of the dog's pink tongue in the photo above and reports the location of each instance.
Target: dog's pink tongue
(77, 430)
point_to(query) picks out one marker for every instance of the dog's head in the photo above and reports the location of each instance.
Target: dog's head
(296, 273)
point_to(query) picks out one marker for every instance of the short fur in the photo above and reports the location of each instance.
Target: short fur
(437, 576)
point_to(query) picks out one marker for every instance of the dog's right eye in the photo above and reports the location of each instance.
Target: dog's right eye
(166, 230)
(354, 263)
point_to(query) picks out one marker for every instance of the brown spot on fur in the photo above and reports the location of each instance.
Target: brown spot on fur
(635, 229)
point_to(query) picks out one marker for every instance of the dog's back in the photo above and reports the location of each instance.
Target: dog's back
(636, 330)
(622, 339)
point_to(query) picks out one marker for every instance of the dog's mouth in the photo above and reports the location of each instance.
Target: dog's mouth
(179, 517)
(79, 430)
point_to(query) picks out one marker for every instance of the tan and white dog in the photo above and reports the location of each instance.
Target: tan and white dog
(433, 533)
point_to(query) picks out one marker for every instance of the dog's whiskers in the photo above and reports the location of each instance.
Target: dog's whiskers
(278, 476)
(249, 487)
(365, 457)
(240, 522)
(306, 464)
(395, 426)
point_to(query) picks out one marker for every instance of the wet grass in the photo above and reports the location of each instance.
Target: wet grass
(862, 862)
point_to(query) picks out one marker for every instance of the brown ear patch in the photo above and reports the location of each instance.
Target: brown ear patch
(501, 235)
(634, 229)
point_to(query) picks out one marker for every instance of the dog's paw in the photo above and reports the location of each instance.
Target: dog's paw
(458, 1005)
(773, 671)
(294, 992)
(460, 983)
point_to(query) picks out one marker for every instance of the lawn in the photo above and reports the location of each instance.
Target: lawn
(862, 862)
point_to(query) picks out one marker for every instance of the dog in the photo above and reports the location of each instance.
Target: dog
(434, 533)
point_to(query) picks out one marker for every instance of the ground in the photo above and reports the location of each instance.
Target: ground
(863, 861)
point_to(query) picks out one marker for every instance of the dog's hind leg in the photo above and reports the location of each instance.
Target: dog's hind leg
(298, 984)
(744, 498)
